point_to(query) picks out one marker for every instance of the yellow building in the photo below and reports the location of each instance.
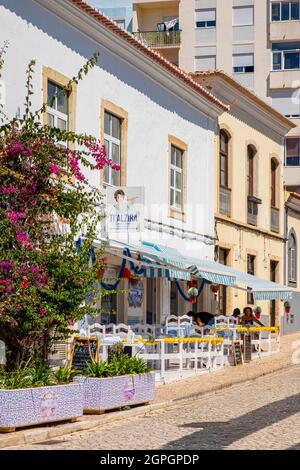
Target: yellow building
(249, 202)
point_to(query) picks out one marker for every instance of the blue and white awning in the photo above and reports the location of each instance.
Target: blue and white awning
(262, 289)
(211, 271)
(157, 261)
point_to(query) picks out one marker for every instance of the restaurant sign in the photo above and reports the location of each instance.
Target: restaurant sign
(125, 209)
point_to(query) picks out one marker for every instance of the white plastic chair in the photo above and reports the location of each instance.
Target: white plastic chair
(96, 330)
(122, 328)
(221, 320)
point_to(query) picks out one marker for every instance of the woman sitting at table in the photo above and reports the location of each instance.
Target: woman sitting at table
(248, 318)
(202, 318)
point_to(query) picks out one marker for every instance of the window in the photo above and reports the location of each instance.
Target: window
(292, 146)
(252, 200)
(274, 167)
(121, 23)
(205, 63)
(287, 102)
(243, 16)
(292, 258)
(176, 178)
(250, 175)
(112, 141)
(250, 270)
(57, 109)
(243, 63)
(206, 18)
(285, 11)
(286, 56)
(224, 159)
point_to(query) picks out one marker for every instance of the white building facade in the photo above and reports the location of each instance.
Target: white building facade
(156, 122)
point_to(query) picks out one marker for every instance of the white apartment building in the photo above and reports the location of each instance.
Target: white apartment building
(255, 41)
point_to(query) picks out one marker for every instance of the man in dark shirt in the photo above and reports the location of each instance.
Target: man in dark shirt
(202, 318)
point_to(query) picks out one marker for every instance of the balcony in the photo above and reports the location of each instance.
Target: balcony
(291, 175)
(160, 39)
(252, 212)
(284, 79)
(274, 219)
(225, 201)
(285, 30)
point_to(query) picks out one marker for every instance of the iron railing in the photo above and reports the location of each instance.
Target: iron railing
(160, 39)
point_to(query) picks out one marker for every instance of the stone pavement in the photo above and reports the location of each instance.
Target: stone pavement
(263, 414)
(169, 395)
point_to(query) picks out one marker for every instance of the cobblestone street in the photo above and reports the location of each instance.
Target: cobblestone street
(263, 414)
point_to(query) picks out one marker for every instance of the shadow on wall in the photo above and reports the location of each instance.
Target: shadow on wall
(53, 26)
(220, 435)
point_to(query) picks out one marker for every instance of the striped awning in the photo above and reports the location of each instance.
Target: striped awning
(211, 271)
(165, 262)
(262, 289)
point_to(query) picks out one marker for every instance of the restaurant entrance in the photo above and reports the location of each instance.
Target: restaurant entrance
(151, 302)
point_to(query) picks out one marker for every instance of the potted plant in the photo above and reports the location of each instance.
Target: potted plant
(121, 382)
(38, 395)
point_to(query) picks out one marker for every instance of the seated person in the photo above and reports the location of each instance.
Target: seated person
(237, 314)
(202, 318)
(248, 318)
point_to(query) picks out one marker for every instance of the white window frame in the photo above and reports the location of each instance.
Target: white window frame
(112, 140)
(243, 68)
(173, 189)
(240, 8)
(55, 113)
(206, 26)
(119, 21)
(282, 53)
(290, 12)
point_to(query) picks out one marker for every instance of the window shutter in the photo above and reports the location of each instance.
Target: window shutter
(243, 60)
(206, 63)
(243, 16)
(206, 15)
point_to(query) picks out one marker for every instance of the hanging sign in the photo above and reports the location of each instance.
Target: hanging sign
(125, 209)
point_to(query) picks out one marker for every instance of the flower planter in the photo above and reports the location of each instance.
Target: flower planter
(30, 406)
(114, 392)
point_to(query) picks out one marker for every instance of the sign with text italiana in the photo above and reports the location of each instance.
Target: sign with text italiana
(125, 209)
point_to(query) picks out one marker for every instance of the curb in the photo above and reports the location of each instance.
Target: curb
(37, 435)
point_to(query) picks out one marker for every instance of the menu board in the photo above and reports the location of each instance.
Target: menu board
(247, 348)
(84, 351)
(237, 353)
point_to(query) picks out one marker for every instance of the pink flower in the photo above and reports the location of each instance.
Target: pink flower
(73, 161)
(16, 148)
(7, 189)
(43, 312)
(54, 168)
(14, 216)
(24, 239)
